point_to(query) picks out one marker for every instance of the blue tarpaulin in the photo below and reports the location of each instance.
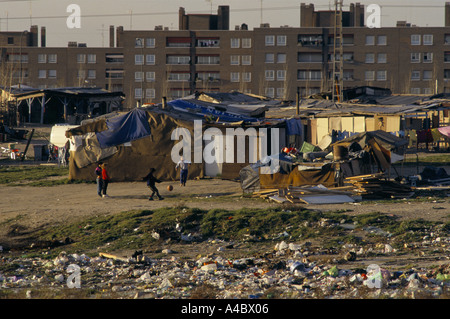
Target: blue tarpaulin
(294, 127)
(210, 111)
(124, 128)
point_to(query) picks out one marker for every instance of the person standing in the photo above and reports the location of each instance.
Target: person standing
(183, 165)
(98, 172)
(106, 179)
(151, 183)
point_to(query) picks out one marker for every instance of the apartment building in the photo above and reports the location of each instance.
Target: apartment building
(205, 54)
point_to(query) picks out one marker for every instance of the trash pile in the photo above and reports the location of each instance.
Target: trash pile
(288, 270)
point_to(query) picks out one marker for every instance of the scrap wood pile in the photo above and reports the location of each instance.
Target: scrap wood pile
(375, 186)
(307, 195)
(371, 186)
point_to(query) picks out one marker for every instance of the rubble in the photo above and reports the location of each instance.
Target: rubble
(288, 270)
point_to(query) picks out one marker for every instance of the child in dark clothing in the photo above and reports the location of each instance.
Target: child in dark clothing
(151, 180)
(98, 172)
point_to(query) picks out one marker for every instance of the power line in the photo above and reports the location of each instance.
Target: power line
(110, 15)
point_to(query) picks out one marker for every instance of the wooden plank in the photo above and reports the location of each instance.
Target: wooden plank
(330, 199)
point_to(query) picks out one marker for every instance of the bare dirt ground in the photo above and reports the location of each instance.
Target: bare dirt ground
(34, 208)
(41, 206)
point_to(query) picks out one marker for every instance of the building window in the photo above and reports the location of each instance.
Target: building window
(370, 40)
(348, 75)
(234, 76)
(175, 42)
(150, 76)
(313, 40)
(208, 59)
(209, 76)
(281, 75)
(281, 40)
(92, 58)
(280, 93)
(415, 57)
(179, 76)
(382, 57)
(270, 75)
(150, 42)
(114, 74)
(370, 58)
(369, 75)
(52, 58)
(427, 75)
(428, 57)
(42, 58)
(246, 76)
(415, 75)
(52, 74)
(415, 90)
(447, 57)
(381, 75)
(138, 76)
(150, 59)
(137, 93)
(92, 74)
(139, 59)
(308, 57)
(427, 39)
(381, 40)
(139, 43)
(235, 43)
(281, 58)
(270, 58)
(246, 60)
(42, 74)
(270, 92)
(208, 43)
(415, 39)
(447, 74)
(270, 40)
(447, 39)
(150, 93)
(178, 59)
(234, 60)
(314, 75)
(247, 43)
(10, 40)
(81, 58)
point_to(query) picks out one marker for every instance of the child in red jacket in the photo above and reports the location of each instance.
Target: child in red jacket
(106, 179)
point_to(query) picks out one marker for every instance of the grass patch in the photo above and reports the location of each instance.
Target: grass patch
(33, 175)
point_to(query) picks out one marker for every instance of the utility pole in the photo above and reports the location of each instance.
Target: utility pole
(338, 48)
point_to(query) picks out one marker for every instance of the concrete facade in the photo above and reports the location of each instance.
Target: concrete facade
(278, 62)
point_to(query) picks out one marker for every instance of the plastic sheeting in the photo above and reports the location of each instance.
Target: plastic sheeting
(294, 127)
(221, 116)
(445, 131)
(124, 128)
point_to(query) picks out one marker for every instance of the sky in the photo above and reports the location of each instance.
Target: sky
(97, 15)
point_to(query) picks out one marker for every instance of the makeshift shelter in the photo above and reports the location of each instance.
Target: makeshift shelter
(351, 156)
(131, 144)
(289, 174)
(357, 153)
(135, 141)
(62, 105)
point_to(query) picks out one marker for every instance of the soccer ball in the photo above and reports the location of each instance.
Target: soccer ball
(170, 188)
